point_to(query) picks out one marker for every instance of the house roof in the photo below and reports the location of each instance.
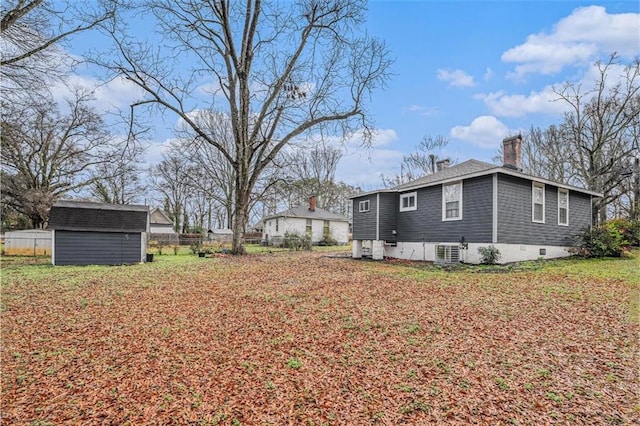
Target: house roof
(159, 217)
(305, 213)
(469, 169)
(465, 168)
(88, 216)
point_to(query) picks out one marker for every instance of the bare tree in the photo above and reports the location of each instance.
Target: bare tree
(600, 132)
(307, 171)
(419, 163)
(31, 32)
(214, 175)
(47, 153)
(170, 179)
(281, 70)
(119, 181)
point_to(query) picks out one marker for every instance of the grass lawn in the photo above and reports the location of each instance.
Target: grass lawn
(315, 339)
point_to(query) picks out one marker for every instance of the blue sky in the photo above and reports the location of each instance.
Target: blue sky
(473, 71)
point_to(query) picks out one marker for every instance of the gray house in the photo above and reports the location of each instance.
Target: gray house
(86, 233)
(446, 216)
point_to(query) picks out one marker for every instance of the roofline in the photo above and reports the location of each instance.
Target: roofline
(362, 194)
(491, 171)
(100, 206)
(273, 216)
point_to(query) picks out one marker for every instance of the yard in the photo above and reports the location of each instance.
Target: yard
(312, 339)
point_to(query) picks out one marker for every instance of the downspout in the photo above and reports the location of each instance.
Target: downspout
(494, 213)
(378, 217)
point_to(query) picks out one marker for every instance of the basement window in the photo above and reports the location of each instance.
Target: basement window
(563, 207)
(537, 207)
(408, 201)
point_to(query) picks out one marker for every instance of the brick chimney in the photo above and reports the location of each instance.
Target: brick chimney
(312, 203)
(512, 150)
(442, 164)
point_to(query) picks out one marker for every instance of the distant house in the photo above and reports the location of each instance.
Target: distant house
(86, 233)
(159, 222)
(305, 220)
(448, 215)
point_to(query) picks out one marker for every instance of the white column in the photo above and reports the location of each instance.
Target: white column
(356, 249)
(377, 250)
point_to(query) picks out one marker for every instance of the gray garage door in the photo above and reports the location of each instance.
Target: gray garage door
(96, 248)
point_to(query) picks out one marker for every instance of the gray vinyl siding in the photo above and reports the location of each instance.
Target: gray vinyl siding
(364, 223)
(426, 224)
(388, 214)
(514, 214)
(97, 248)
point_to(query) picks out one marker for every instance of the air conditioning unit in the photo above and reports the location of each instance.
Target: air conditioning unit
(447, 253)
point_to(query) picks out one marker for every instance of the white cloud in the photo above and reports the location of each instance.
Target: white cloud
(543, 102)
(116, 94)
(420, 110)
(580, 38)
(380, 137)
(362, 166)
(546, 101)
(485, 131)
(456, 78)
(488, 74)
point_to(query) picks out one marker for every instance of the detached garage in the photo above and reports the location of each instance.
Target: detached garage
(86, 233)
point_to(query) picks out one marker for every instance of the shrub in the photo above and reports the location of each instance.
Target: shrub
(328, 240)
(628, 229)
(489, 255)
(606, 240)
(295, 241)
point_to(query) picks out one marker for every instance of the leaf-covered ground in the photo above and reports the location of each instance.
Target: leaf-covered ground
(308, 339)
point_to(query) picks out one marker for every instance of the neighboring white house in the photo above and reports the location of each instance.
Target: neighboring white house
(160, 223)
(306, 220)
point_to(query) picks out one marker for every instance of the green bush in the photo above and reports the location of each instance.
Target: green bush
(628, 229)
(602, 241)
(295, 241)
(328, 240)
(489, 255)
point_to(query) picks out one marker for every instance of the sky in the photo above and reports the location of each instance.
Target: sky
(471, 71)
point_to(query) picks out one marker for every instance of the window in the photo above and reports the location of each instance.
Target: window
(563, 206)
(537, 209)
(277, 225)
(325, 228)
(309, 228)
(408, 202)
(363, 206)
(452, 201)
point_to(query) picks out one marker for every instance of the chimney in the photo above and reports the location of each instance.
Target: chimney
(442, 164)
(512, 150)
(312, 203)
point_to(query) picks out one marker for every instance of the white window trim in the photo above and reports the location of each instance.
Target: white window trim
(413, 194)
(444, 203)
(533, 203)
(565, 191)
(361, 209)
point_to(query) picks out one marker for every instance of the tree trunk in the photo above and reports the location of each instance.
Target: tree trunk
(240, 219)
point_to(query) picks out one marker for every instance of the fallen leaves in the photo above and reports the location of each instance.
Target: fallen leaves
(305, 339)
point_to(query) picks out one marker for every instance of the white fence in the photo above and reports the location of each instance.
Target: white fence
(27, 243)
